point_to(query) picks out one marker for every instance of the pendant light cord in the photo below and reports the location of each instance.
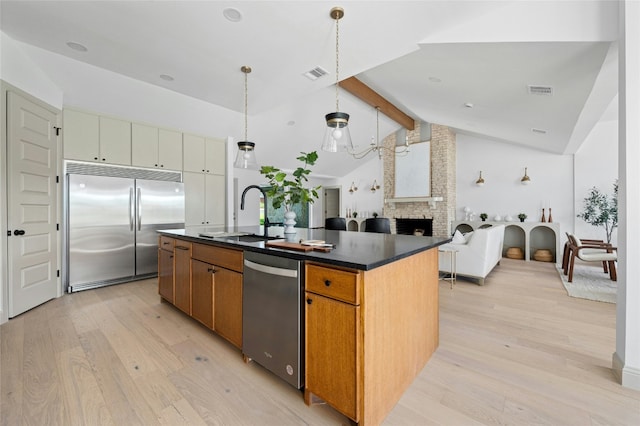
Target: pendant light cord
(337, 60)
(246, 106)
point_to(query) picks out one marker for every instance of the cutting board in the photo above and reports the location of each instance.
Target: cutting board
(296, 246)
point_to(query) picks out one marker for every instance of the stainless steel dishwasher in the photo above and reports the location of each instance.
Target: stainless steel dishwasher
(272, 315)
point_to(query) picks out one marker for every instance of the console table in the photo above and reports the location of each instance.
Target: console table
(529, 236)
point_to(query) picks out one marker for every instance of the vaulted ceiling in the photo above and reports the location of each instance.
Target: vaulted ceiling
(464, 64)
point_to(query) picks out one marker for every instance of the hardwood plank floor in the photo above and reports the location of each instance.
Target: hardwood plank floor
(515, 351)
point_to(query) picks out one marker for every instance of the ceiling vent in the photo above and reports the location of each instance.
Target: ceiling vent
(316, 73)
(539, 131)
(540, 90)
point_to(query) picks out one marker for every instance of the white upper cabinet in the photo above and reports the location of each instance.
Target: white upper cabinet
(115, 141)
(204, 155)
(90, 137)
(81, 133)
(153, 147)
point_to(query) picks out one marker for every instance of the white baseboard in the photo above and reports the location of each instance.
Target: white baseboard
(629, 377)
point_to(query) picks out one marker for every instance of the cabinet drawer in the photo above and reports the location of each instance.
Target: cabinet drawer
(166, 243)
(223, 257)
(335, 283)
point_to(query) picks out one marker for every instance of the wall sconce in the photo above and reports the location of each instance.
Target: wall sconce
(526, 180)
(353, 188)
(480, 181)
(375, 186)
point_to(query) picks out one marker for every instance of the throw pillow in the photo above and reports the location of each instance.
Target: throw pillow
(458, 238)
(467, 237)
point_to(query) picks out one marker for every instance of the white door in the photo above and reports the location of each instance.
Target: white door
(32, 204)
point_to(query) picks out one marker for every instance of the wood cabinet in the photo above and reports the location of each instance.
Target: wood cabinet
(205, 199)
(90, 137)
(205, 282)
(154, 147)
(202, 296)
(332, 337)
(182, 276)
(364, 348)
(204, 155)
(165, 268)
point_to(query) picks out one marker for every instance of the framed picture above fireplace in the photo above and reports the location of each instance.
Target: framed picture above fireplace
(413, 172)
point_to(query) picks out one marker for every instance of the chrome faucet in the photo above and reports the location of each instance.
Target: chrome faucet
(264, 194)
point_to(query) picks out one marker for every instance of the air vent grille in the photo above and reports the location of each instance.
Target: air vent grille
(316, 73)
(539, 131)
(540, 90)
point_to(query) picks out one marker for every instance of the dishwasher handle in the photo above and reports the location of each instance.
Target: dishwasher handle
(271, 270)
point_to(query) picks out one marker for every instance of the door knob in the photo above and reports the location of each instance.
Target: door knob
(18, 232)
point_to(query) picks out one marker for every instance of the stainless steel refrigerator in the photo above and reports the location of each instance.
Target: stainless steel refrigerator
(112, 216)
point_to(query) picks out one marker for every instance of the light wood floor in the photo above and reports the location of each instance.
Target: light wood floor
(515, 351)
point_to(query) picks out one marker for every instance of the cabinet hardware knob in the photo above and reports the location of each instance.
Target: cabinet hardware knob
(309, 301)
(327, 282)
(18, 232)
(156, 165)
(212, 270)
(95, 158)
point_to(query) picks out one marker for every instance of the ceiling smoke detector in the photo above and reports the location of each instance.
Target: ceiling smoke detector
(540, 90)
(316, 73)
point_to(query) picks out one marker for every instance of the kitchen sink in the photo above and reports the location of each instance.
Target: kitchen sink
(253, 238)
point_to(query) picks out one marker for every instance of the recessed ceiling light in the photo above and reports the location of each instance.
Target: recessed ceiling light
(435, 80)
(166, 77)
(77, 46)
(232, 14)
(291, 123)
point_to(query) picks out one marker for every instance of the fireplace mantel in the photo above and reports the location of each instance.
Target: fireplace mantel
(431, 200)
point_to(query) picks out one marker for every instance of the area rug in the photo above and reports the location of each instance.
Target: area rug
(589, 282)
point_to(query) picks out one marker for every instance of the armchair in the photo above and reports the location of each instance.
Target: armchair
(589, 251)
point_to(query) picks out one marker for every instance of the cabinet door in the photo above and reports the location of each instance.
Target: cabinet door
(228, 305)
(81, 132)
(215, 154)
(144, 145)
(182, 276)
(165, 274)
(332, 335)
(202, 284)
(215, 200)
(194, 198)
(170, 149)
(193, 149)
(115, 141)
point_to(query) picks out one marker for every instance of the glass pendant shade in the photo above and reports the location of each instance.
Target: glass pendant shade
(337, 136)
(246, 156)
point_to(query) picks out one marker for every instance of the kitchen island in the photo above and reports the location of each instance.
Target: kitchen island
(370, 305)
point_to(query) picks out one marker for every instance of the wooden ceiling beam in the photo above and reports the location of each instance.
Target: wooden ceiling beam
(371, 97)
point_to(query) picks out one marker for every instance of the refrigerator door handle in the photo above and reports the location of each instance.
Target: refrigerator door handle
(131, 213)
(139, 208)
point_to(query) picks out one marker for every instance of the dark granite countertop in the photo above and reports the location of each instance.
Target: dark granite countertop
(358, 250)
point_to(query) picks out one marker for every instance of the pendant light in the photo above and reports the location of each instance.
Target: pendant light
(526, 180)
(246, 156)
(337, 136)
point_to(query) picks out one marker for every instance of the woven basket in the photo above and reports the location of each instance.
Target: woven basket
(543, 255)
(515, 253)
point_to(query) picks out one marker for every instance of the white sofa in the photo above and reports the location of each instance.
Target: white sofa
(477, 253)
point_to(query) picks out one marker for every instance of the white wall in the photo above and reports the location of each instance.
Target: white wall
(363, 200)
(596, 164)
(502, 167)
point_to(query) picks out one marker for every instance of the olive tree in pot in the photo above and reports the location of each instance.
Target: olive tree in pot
(600, 209)
(286, 191)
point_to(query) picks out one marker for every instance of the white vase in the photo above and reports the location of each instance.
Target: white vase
(289, 222)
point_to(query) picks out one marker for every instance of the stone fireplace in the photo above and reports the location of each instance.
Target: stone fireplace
(443, 182)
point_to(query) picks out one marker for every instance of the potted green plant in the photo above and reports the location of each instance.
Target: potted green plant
(374, 214)
(286, 191)
(601, 210)
(354, 214)
(483, 216)
(522, 217)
